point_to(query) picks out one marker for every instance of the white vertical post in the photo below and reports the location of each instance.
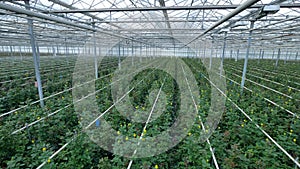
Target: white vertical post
(223, 53)
(247, 55)
(35, 56)
(286, 55)
(119, 55)
(237, 55)
(278, 56)
(95, 53)
(211, 53)
(132, 53)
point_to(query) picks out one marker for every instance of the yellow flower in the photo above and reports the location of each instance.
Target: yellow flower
(97, 97)
(129, 124)
(38, 117)
(189, 133)
(291, 131)
(143, 108)
(126, 138)
(32, 141)
(156, 166)
(199, 126)
(294, 140)
(145, 131)
(136, 107)
(262, 124)
(245, 120)
(284, 133)
(134, 135)
(267, 139)
(289, 89)
(207, 160)
(62, 97)
(118, 132)
(16, 112)
(242, 125)
(49, 160)
(44, 149)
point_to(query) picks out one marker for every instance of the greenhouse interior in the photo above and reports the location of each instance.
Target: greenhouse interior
(150, 84)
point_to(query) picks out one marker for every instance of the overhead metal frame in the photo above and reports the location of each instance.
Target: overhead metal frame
(120, 19)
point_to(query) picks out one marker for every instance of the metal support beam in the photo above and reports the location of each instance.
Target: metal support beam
(119, 55)
(132, 53)
(258, 60)
(246, 57)
(236, 11)
(278, 56)
(11, 51)
(286, 56)
(211, 53)
(35, 57)
(141, 47)
(237, 55)
(95, 53)
(223, 53)
(204, 50)
(172, 8)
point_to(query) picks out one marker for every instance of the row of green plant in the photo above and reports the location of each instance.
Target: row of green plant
(237, 142)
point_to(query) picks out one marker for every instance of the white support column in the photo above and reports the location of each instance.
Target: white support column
(223, 53)
(35, 56)
(211, 53)
(95, 53)
(247, 55)
(286, 56)
(119, 55)
(278, 56)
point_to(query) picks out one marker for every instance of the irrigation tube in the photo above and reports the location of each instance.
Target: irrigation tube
(268, 100)
(265, 86)
(32, 103)
(65, 145)
(263, 131)
(237, 69)
(55, 112)
(144, 129)
(203, 127)
(271, 76)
